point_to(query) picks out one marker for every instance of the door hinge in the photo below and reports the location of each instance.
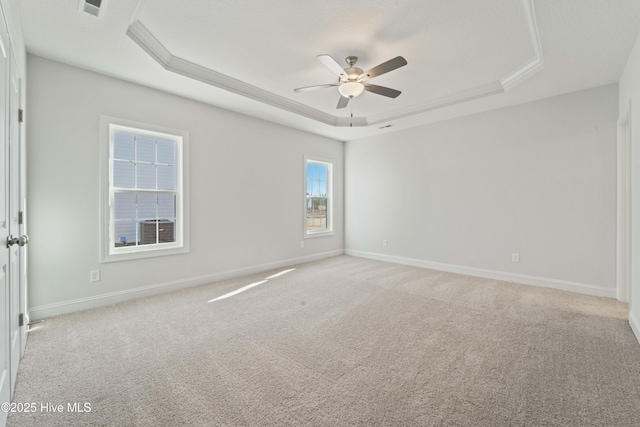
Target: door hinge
(21, 319)
(20, 116)
(20, 218)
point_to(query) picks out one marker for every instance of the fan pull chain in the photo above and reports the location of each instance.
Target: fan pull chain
(351, 122)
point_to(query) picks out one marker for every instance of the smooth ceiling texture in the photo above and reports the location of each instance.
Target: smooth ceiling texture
(247, 56)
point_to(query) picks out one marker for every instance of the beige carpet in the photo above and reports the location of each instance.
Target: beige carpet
(342, 341)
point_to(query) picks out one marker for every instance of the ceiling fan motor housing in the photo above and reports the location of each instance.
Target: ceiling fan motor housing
(352, 72)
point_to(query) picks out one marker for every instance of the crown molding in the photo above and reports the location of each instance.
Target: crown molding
(154, 48)
(537, 62)
(445, 101)
(150, 44)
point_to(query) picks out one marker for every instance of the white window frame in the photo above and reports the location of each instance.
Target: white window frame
(330, 229)
(108, 251)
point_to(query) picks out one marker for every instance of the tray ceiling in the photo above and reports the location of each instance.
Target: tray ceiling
(247, 56)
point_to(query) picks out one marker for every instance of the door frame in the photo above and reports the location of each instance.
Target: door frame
(16, 312)
(623, 223)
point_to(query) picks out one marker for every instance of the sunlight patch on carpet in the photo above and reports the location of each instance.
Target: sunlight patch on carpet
(244, 288)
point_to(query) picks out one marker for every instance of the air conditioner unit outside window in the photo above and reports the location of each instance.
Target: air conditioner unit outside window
(165, 231)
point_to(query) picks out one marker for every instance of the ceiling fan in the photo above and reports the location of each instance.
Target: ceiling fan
(352, 80)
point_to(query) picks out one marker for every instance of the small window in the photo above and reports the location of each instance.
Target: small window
(319, 193)
(144, 202)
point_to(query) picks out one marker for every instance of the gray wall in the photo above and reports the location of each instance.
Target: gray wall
(538, 179)
(246, 190)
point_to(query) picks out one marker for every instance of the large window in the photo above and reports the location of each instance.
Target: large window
(319, 192)
(144, 202)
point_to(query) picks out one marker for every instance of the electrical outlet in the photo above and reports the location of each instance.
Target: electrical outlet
(302, 244)
(515, 257)
(385, 243)
(94, 276)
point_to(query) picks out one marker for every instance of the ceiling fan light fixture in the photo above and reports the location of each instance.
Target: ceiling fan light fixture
(351, 89)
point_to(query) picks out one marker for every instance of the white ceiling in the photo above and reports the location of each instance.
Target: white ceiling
(464, 56)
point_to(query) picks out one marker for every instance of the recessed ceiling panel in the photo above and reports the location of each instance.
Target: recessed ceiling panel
(450, 46)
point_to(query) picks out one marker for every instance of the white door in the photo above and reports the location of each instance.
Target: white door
(14, 220)
(5, 307)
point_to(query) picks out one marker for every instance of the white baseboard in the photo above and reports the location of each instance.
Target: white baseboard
(80, 304)
(491, 274)
(635, 326)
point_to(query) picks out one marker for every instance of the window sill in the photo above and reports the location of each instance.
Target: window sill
(147, 253)
(319, 234)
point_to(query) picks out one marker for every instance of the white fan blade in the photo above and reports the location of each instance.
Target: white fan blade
(316, 87)
(381, 90)
(331, 64)
(342, 102)
(385, 67)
